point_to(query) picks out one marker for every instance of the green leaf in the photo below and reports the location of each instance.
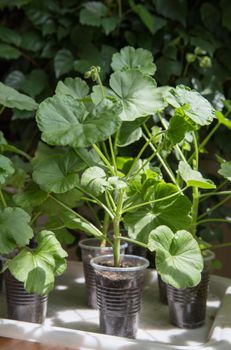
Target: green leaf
(136, 93)
(34, 83)
(11, 98)
(226, 13)
(31, 197)
(45, 262)
(176, 10)
(65, 121)
(9, 36)
(151, 21)
(15, 79)
(14, 228)
(179, 125)
(130, 132)
(178, 257)
(109, 24)
(225, 170)
(194, 178)
(173, 212)
(63, 62)
(196, 107)
(94, 180)
(9, 52)
(77, 88)
(130, 58)
(210, 16)
(75, 223)
(32, 41)
(224, 121)
(57, 171)
(97, 95)
(6, 169)
(92, 13)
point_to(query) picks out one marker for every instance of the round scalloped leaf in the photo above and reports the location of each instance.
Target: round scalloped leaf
(136, 93)
(195, 106)
(173, 212)
(130, 58)
(178, 257)
(77, 88)
(57, 171)
(6, 168)
(14, 228)
(41, 265)
(11, 98)
(66, 121)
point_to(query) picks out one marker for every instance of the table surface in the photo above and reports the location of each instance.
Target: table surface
(14, 344)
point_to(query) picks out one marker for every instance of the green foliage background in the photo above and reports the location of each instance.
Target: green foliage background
(44, 41)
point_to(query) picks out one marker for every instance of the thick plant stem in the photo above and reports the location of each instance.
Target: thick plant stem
(106, 223)
(116, 227)
(195, 205)
(3, 199)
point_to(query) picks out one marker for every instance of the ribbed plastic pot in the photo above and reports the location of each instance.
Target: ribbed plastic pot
(23, 306)
(162, 291)
(119, 292)
(90, 248)
(187, 307)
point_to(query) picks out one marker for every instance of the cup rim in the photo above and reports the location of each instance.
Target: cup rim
(95, 263)
(83, 244)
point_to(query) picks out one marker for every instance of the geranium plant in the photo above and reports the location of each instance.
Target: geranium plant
(91, 131)
(33, 256)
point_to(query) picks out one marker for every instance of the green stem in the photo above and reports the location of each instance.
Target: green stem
(148, 160)
(119, 9)
(116, 142)
(105, 150)
(112, 154)
(214, 220)
(177, 148)
(95, 199)
(218, 188)
(215, 194)
(186, 69)
(126, 239)
(166, 167)
(222, 245)
(76, 214)
(196, 193)
(138, 157)
(210, 210)
(2, 109)
(104, 159)
(3, 199)
(14, 149)
(94, 213)
(106, 222)
(154, 201)
(116, 226)
(100, 83)
(206, 140)
(35, 217)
